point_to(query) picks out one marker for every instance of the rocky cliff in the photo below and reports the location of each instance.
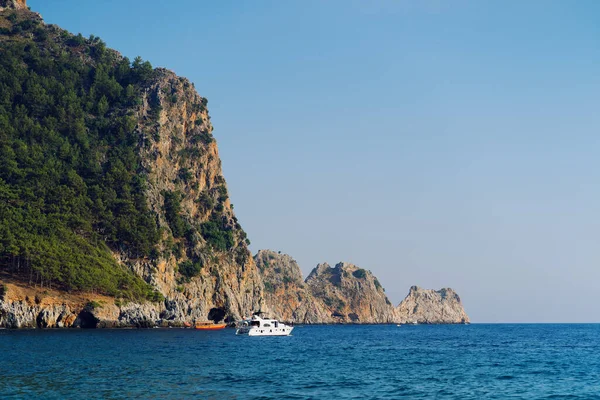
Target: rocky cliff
(350, 294)
(182, 159)
(198, 264)
(23, 306)
(342, 294)
(286, 295)
(347, 294)
(426, 306)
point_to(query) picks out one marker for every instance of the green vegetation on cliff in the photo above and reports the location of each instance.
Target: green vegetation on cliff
(360, 273)
(71, 181)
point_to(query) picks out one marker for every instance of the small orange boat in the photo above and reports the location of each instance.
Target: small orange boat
(209, 326)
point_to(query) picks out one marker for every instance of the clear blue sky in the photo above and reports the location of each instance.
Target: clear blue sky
(436, 143)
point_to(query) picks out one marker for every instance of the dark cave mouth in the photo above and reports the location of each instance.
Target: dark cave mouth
(87, 320)
(216, 314)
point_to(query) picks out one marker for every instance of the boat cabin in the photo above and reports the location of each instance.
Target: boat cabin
(264, 323)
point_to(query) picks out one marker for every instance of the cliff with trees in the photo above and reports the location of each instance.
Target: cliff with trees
(111, 182)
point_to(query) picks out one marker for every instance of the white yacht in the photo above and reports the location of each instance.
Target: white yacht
(257, 326)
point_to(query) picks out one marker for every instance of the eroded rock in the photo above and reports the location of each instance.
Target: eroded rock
(427, 306)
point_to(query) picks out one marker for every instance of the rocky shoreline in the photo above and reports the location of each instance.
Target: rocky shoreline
(25, 307)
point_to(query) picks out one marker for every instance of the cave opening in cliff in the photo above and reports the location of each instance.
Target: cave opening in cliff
(87, 320)
(41, 322)
(216, 314)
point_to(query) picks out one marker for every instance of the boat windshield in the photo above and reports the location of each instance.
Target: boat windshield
(255, 323)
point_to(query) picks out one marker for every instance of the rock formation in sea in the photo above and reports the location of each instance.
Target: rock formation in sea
(426, 306)
(350, 294)
(347, 293)
(287, 297)
(342, 294)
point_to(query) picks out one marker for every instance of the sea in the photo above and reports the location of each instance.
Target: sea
(477, 361)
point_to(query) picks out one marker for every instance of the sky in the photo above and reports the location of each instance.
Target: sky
(435, 143)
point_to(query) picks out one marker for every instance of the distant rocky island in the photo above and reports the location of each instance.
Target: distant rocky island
(347, 293)
(114, 211)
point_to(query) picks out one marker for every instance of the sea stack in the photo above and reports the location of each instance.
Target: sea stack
(427, 306)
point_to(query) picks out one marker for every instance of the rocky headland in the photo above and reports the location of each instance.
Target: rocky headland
(350, 294)
(128, 222)
(187, 259)
(286, 295)
(347, 293)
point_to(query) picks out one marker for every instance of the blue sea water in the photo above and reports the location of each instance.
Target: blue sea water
(317, 362)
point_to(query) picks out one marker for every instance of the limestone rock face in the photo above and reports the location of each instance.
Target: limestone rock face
(30, 307)
(180, 160)
(350, 294)
(347, 294)
(287, 297)
(427, 306)
(343, 294)
(22, 307)
(181, 157)
(13, 4)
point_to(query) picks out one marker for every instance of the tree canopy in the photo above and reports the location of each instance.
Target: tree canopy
(71, 183)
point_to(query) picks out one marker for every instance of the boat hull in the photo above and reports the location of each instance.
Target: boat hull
(214, 327)
(265, 331)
